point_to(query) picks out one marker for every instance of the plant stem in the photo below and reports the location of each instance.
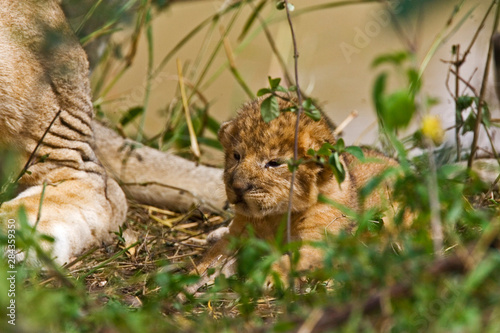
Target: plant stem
(480, 103)
(272, 44)
(458, 116)
(299, 112)
(107, 261)
(432, 185)
(33, 153)
(459, 61)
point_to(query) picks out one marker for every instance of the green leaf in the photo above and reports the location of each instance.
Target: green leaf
(43, 158)
(210, 271)
(376, 224)
(400, 149)
(290, 109)
(308, 105)
(99, 113)
(399, 109)
(280, 5)
(469, 123)
(486, 119)
(431, 101)
(314, 114)
(131, 114)
(464, 102)
(394, 58)
(274, 83)
(414, 80)
(337, 167)
(282, 89)
(325, 150)
(310, 110)
(269, 108)
(482, 272)
(339, 146)
(284, 326)
(311, 152)
(344, 209)
(264, 91)
(378, 95)
(47, 238)
(356, 152)
(294, 165)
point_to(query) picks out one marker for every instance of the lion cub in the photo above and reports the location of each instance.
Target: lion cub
(257, 181)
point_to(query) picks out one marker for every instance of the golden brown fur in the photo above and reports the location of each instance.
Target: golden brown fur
(258, 183)
(44, 77)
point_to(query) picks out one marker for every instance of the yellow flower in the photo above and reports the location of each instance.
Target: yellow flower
(432, 128)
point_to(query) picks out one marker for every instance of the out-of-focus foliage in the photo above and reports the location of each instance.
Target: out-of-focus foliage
(392, 270)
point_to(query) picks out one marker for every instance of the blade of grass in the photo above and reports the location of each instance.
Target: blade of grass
(234, 70)
(134, 40)
(149, 35)
(255, 13)
(442, 36)
(272, 20)
(191, 34)
(88, 16)
(194, 143)
(202, 51)
(274, 48)
(39, 213)
(106, 28)
(105, 262)
(211, 58)
(329, 5)
(104, 67)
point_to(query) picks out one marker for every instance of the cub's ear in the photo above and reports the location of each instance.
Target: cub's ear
(225, 133)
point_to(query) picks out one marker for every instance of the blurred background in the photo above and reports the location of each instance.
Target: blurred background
(134, 47)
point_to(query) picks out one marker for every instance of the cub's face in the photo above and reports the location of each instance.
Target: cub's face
(256, 174)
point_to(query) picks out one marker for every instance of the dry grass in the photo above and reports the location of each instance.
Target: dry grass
(151, 240)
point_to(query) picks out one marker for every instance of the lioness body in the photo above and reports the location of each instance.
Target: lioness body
(257, 183)
(43, 83)
(46, 116)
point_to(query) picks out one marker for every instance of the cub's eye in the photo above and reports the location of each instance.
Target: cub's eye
(237, 156)
(273, 164)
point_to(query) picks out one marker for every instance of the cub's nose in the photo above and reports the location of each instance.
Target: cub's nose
(240, 187)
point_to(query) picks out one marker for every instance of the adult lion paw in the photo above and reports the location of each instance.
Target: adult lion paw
(78, 213)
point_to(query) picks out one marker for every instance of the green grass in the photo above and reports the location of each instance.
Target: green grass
(385, 278)
(135, 290)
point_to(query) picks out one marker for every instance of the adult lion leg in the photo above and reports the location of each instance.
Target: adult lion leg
(46, 113)
(80, 211)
